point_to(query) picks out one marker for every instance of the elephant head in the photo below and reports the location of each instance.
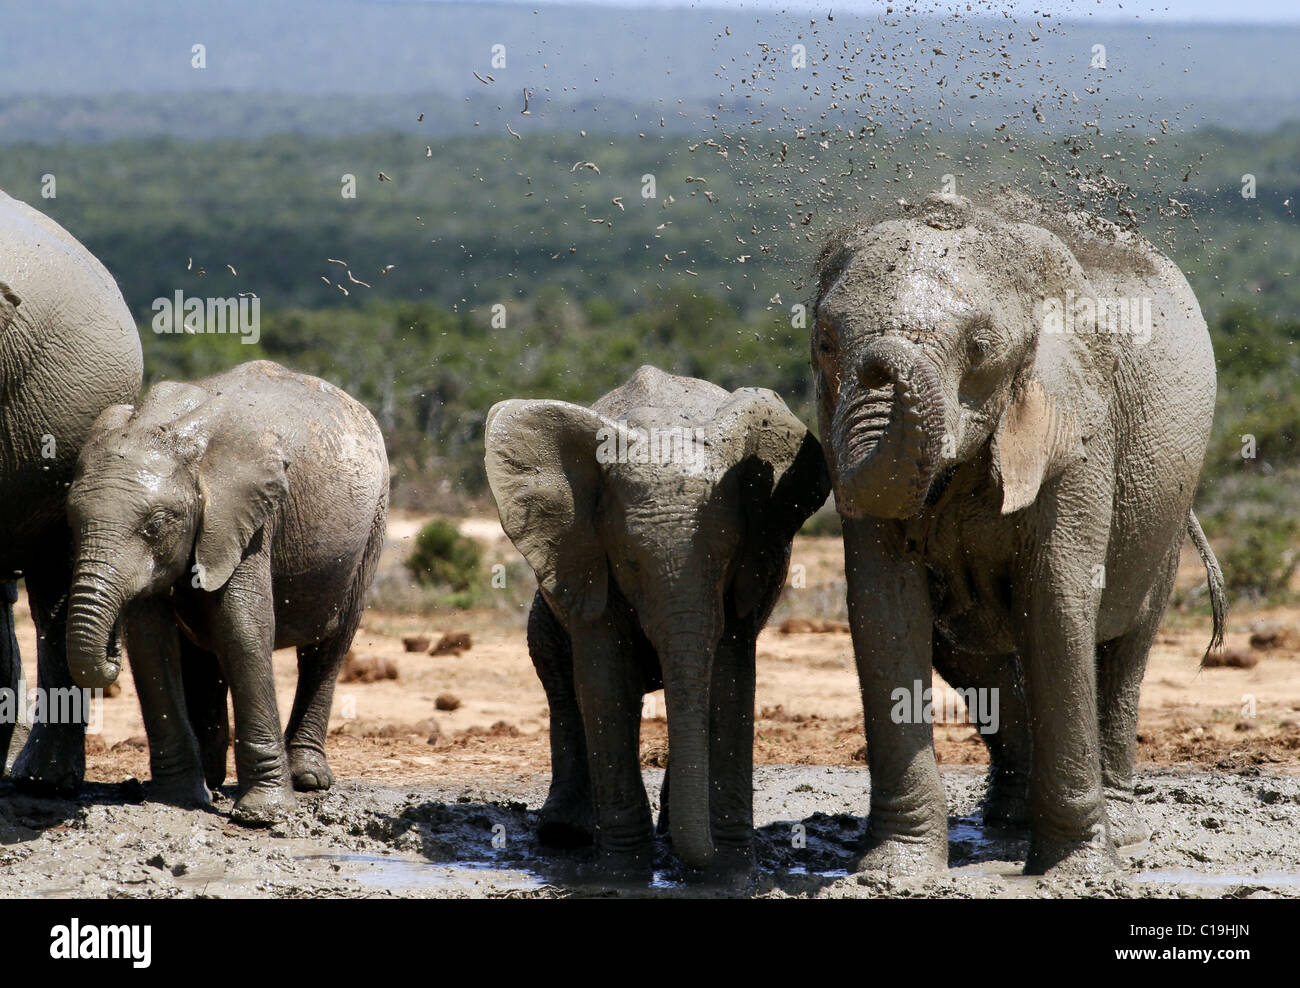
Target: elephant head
(941, 335)
(687, 539)
(170, 491)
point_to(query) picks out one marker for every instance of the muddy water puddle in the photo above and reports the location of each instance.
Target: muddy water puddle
(380, 871)
(1179, 876)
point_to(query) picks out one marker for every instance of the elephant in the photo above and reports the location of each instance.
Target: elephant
(659, 523)
(68, 349)
(1015, 407)
(218, 521)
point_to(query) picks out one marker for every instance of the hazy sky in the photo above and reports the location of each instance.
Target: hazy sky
(1239, 11)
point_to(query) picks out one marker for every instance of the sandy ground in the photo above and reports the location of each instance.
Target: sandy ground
(1231, 736)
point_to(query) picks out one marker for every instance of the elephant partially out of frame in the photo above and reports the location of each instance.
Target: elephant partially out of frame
(1015, 409)
(68, 349)
(659, 523)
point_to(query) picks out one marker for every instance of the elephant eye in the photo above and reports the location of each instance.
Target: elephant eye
(155, 525)
(826, 342)
(982, 344)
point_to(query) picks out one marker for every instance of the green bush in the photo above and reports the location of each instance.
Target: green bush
(1262, 556)
(444, 558)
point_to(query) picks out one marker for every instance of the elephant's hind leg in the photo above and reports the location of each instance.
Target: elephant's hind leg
(1121, 664)
(1006, 801)
(205, 703)
(318, 669)
(566, 818)
(11, 670)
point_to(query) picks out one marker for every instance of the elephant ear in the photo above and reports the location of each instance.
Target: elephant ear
(243, 478)
(1033, 437)
(9, 302)
(543, 468)
(1062, 396)
(783, 478)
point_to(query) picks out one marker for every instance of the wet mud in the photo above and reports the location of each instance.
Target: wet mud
(1213, 835)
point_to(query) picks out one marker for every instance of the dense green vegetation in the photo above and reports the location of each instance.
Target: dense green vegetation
(473, 222)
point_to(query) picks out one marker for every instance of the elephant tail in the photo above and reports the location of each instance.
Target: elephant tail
(1214, 575)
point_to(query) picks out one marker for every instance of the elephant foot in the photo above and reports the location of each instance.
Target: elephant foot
(1125, 819)
(1093, 856)
(309, 769)
(622, 867)
(260, 807)
(893, 858)
(566, 822)
(52, 762)
(185, 791)
(732, 867)
(1006, 801)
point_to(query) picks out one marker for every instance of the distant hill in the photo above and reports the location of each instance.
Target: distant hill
(98, 71)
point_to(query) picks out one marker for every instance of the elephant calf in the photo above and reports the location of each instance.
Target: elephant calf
(659, 524)
(218, 521)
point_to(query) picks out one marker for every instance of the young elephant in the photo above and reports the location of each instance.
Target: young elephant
(1015, 417)
(659, 524)
(222, 519)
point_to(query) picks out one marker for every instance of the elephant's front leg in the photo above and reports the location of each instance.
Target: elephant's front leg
(11, 670)
(153, 643)
(890, 616)
(731, 754)
(242, 625)
(1067, 810)
(54, 758)
(608, 684)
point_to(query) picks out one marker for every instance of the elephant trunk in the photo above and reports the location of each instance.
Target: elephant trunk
(887, 431)
(687, 661)
(94, 607)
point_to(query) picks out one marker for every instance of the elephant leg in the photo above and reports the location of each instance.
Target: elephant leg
(318, 671)
(609, 690)
(1121, 664)
(731, 755)
(53, 761)
(566, 818)
(205, 702)
(892, 625)
(153, 642)
(1068, 830)
(243, 636)
(1006, 801)
(11, 671)
(661, 828)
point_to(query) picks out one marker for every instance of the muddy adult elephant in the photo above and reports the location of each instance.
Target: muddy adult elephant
(68, 350)
(659, 524)
(219, 520)
(1015, 418)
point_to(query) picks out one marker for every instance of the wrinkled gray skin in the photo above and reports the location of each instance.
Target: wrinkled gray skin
(222, 519)
(987, 472)
(653, 574)
(68, 350)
